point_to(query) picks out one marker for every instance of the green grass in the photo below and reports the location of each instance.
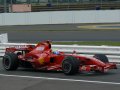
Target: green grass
(110, 43)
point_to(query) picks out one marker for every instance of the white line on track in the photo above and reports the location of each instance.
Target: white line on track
(61, 79)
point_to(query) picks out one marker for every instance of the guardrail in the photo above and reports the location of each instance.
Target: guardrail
(69, 17)
(112, 52)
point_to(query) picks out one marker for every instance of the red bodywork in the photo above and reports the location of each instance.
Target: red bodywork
(42, 57)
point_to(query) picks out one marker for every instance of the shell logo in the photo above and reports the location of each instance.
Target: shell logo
(41, 60)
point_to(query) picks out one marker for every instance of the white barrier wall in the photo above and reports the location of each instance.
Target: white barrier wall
(112, 52)
(60, 17)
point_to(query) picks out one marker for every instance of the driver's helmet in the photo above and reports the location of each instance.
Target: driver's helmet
(56, 52)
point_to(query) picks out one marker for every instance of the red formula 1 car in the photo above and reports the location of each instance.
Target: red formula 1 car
(42, 57)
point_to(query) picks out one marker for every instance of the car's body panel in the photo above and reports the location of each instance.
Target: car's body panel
(42, 57)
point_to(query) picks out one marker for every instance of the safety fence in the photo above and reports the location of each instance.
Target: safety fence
(60, 17)
(112, 52)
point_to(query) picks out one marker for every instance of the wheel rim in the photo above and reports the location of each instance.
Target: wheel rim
(6, 62)
(66, 67)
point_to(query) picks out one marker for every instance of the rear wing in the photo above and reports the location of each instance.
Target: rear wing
(19, 48)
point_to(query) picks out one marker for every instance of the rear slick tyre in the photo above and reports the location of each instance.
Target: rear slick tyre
(10, 61)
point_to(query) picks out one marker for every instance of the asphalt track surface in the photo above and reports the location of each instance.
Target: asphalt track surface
(28, 79)
(69, 32)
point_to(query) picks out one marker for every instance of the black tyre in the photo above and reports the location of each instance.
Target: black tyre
(101, 57)
(10, 61)
(70, 65)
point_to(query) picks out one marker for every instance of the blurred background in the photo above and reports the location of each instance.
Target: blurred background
(56, 5)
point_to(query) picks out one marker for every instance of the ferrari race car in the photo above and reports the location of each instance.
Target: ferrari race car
(41, 57)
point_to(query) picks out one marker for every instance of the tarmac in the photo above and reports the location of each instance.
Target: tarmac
(28, 79)
(67, 32)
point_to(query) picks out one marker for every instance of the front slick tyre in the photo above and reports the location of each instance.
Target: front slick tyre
(10, 61)
(70, 65)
